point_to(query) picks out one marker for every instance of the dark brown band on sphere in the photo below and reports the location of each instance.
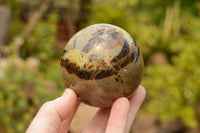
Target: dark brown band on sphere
(97, 73)
(64, 51)
(105, 73)
(122, 63)
(124, 52)
(73, 68)
(138, 54)
(84, 74)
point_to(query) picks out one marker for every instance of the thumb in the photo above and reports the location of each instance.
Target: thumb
(53, 113)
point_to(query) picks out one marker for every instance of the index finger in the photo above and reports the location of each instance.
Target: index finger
(135, 102)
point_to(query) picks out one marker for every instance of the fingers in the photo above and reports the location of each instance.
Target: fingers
(115, 123)
(61, 110)
(135, 102)
(99, 122)
(66, 123)
(121, 117)
(118, 116)
(53, 113)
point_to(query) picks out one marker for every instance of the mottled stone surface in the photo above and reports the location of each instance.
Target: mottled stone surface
(102, 63)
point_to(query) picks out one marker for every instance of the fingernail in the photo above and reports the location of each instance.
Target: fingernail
(66, 92)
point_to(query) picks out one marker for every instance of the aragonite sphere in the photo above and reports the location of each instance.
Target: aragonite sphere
(101, 63)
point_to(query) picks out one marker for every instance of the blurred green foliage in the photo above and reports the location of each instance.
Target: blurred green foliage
(29, 81)
(167, 28)
(22, 91)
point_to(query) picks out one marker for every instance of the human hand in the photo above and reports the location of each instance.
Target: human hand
(56, 116)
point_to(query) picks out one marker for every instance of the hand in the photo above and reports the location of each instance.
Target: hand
(56, 116)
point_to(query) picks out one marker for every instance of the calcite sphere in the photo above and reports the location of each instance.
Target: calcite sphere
(101, 63)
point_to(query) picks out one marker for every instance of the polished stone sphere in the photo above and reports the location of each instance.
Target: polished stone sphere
(101, 63)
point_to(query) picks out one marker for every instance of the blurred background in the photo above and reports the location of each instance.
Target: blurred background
(33, 34)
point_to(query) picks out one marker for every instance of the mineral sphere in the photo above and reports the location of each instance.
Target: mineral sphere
(101, 63)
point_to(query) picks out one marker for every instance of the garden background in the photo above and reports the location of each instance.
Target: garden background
(33, 34)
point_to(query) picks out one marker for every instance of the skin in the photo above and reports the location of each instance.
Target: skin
(55, 116)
